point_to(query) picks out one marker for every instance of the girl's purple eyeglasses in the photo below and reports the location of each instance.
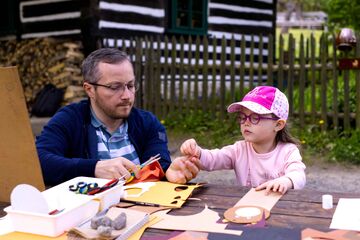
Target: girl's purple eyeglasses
(254, 118)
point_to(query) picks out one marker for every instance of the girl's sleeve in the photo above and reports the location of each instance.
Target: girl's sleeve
(218, 159)
(295, 169)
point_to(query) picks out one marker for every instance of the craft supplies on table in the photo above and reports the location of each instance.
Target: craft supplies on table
(253, 207)
(246, 214)
(134, 221)
(151, 160)
(52, 225)
(58, 209)
(159, 193)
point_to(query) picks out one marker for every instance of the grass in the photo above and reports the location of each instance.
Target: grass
(296, 33)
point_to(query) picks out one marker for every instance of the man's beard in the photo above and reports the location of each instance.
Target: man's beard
(116, 112)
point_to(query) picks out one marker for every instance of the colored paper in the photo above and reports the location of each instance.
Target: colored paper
(347, 215)
(205, 221)
(29, 236)
(162, 193)
(150, 173)
(310, 233)
(258, 198)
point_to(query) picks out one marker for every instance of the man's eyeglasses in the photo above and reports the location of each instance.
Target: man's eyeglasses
(254, 118)
(118, 87)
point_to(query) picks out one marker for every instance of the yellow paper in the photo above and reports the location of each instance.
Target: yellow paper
(162, 193)
(22, 236)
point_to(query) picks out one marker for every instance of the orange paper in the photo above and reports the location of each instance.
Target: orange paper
(150, 173)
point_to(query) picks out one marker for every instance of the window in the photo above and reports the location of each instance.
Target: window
(188, 16)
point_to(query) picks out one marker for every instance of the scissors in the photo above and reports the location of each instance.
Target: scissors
(151, 160)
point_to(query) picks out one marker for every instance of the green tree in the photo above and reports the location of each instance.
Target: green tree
(343, 13)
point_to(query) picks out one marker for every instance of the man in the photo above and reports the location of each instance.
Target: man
(105, 136)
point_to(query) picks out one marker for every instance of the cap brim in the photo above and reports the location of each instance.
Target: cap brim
(254, 107)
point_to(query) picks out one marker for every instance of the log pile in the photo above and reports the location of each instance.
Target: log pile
(45, 60)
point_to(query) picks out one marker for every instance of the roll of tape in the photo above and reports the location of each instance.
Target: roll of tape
(327, 201)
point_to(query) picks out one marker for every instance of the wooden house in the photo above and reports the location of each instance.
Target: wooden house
(107, 20)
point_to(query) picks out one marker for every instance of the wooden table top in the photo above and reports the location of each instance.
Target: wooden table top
(297, 209)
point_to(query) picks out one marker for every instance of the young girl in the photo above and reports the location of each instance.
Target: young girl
(268, 157)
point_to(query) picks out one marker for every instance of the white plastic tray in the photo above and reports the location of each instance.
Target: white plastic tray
(74, 208)
(52, 225)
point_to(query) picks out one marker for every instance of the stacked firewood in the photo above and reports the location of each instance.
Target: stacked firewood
(42, 61)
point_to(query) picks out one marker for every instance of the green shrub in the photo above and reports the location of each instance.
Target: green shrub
(346, 148)
(210, 132)
(205, 127)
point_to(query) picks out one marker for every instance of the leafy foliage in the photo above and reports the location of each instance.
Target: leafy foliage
(343, 13)
(210, 132)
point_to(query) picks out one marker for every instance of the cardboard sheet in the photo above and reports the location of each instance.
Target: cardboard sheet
(162, 193)
(258, 198)
(18, 157)
(310, 233)
(205, 221)
(135, 220)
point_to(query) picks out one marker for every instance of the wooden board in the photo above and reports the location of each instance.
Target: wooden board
(19, 162)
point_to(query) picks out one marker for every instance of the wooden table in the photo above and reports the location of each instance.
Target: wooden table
(297, 209)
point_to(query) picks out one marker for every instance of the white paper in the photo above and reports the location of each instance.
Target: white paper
(347, 215)
(27, 198)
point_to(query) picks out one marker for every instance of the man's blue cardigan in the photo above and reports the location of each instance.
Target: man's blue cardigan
(67, 146)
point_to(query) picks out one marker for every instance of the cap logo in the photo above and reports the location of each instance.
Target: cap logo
(261, 96)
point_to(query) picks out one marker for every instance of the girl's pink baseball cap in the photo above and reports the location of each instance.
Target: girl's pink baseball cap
(264, 100)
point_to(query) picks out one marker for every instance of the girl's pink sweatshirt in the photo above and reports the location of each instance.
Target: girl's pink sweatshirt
(253, 169)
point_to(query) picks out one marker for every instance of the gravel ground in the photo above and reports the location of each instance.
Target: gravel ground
(325, 177)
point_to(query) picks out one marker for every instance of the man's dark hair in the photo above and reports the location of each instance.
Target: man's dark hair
(90, 66)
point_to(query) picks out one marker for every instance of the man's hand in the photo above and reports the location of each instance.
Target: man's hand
(115, 168)
(190, 148)
(183, 169)
(281, 184)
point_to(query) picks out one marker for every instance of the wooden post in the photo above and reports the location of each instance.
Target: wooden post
(205, 71)
(357, 113)
(89, 26)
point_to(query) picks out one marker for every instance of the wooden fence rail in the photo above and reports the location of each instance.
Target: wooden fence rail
(179, 75)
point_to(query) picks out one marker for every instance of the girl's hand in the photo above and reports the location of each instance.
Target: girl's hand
(281, 184)
(182, 170)
(190, 148)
